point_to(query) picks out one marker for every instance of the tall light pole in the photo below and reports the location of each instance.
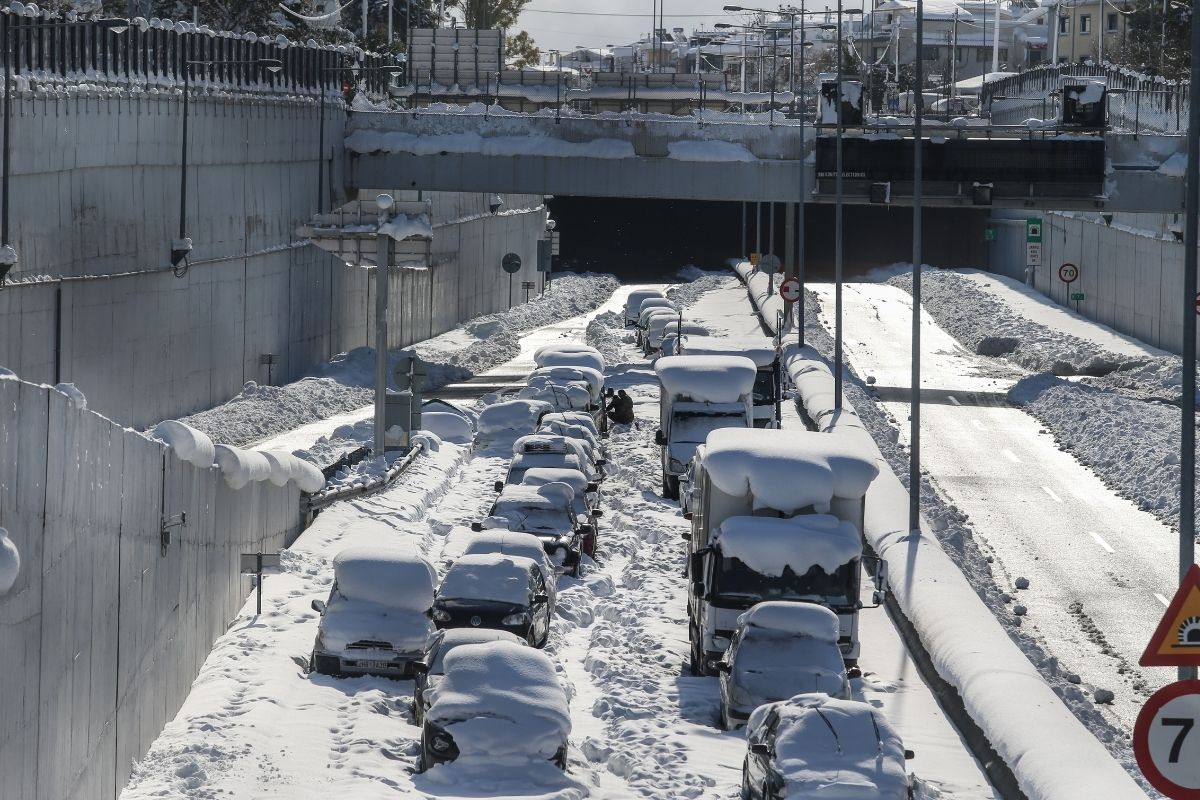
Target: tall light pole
(383, 261)
(914, 455)
(839, 244)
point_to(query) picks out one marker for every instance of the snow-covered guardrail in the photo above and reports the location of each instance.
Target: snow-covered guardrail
(319, 500)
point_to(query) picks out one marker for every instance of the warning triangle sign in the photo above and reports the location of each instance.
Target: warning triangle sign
(1176, 641)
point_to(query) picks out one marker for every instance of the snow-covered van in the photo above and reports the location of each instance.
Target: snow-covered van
(633, 304)
(768, 386)
(375, 621)
(776, 515)
(699, 394)
(568, 354)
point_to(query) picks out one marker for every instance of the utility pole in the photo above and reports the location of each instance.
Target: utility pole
(914, 450)
(837, 228)
(996, 40)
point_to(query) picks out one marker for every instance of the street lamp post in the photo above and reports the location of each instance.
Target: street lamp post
(8, 253)
(390, 69)
(182, 246)
(914, 450)
(839, 245)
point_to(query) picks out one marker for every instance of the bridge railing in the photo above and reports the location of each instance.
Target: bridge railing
(155, 52)
(1136, 102)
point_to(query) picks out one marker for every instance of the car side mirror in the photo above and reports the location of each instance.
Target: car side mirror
(477, 526)
(319, 606)
(909, 755)
(687, 515)
(499, 486)
(698, 588)
(591, 487)
(760, 749)
(420, 668)
(696, 563)
(659, 439)
(541, 597)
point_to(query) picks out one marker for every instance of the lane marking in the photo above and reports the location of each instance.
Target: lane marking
(1050, 492)
(1162, 599)
(978, 425)
(953, 399)
(1101, 541)
(1011, 456)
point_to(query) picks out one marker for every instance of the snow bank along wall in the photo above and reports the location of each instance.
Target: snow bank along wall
(1130, 267)
(106, 628)
(95, 195)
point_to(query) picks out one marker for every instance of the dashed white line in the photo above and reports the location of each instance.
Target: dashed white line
(1162, 599)
(953, 399)
(1011, 456)
(1101, 541)
(1050, 492)
(979, 425)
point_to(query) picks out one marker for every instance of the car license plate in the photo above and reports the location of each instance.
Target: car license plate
(374, 664)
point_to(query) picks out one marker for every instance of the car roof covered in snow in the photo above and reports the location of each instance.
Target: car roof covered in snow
(831, 748)
(635, 298)
(511, 543)
(769, 544)
(453, 637)
(572, 372)
(550, 443)
(551, 495)
(647, 303)
(758, 349)
(569, 355)
(650, 313)
(511, 415)
(502, 699)
(488, 576)
(390, 575)
(572, 418)
(563, 347)
(448, 426)
(789, 470)
(540, 476)
(799, 619)
(714, 379)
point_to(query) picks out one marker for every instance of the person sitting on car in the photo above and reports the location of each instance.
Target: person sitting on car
(620, 409)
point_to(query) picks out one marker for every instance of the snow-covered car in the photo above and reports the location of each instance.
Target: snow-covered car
(375, 621)
(527, 461)
(439, 406)
(658, 326)
(573, 418)
(491, 590)
(821, 747)
(655, 302)
(447, 426)
(547, 512)
(587, 497)
(634, 302)
(647, 318)
(427, 673)
(777, 651)
(560, 394)
(511, 543)
(549, 445)
(556, 428)
(512, 418)
(566, 354)
(497, 703)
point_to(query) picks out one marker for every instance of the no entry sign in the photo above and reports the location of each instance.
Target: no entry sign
(789, 290)
(1166, 740)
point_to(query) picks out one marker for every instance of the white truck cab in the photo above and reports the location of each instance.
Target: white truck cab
(768, 386)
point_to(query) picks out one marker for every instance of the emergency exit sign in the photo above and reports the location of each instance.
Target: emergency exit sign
(1033, 230)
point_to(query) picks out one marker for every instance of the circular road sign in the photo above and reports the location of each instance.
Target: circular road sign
(1166, 742)
(1068, 272)
(769, 263)
(789, 290)
(511, 263)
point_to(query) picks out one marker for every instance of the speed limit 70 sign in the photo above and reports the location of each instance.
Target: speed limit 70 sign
(1166, 740)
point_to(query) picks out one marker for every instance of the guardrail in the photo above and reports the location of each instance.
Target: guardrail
(156, 52)
(310, 504)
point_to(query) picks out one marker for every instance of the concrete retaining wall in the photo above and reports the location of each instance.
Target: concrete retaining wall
(104, 632)
(1130, 268)
(95, 192)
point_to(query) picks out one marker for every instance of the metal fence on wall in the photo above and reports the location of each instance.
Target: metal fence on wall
(1136, 102)
(158, 50)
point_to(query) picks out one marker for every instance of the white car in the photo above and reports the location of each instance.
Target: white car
(564, 354)
(511, 543)
(779, 650)
(431, 668)
(633, 304)
(375, 621)
(547, 512)
(512, 418)
(820, 747)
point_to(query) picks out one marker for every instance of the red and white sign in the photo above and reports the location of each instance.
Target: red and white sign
(1068, 272)
(1166, 740)
(789, 290)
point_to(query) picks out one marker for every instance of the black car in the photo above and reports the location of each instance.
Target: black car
(491, 590)
(427, 674)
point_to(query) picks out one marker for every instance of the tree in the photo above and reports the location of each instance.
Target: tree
(489, 14)
(1154, 44)
(521, 50)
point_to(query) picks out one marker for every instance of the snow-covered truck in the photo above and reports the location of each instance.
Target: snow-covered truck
(776, 515)
(768, 386)
(699, 394)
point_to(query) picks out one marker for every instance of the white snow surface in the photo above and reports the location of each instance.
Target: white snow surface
(10, 562)
(798, 619)
(706, 379)
(449, 427)
(769, 545)
(760, 350)
(389, 575)
(583, 356)
(502, 702)
(241, 467)
(73, 394)
(488, 576)
(186, 442)
(513, 417)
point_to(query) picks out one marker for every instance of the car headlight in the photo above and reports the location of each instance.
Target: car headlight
(521, 618)
(441, 742)
(440, 616)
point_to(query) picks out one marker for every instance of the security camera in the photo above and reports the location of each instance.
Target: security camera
(551, 224)
(495, 203)
(384, 201)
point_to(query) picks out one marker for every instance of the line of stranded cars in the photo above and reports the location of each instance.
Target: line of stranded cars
(471, 640)
(774, 569)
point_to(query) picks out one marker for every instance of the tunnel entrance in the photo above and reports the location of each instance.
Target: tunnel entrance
(646, 240)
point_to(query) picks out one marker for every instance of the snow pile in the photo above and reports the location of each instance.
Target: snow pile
(588, 376)
(808, 620)
(6, 373)
(573, 418)
(582, 356)
(394, 576)
(515, 417)
(241, 467)
(488, 576)
(287, 467)
(404, 226)
(74, 396)
(502, 702)
(694, 283)
(712, 379)
(709, 151)
(1174, 167)
(447, 426)
(365, 142)
(188, 444)
(560, 428)
(770, 545)
(760, 350)
(10, 562)
(605, 334)
(826, 747)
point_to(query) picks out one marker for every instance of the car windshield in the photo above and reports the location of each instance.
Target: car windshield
(536, 520)
(736, 583)
(692, 428)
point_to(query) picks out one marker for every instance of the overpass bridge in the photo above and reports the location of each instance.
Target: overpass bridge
(725, 157)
